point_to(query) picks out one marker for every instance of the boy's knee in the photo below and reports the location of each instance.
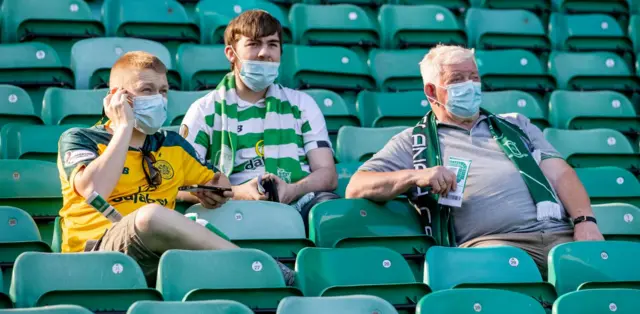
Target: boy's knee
(149, 217)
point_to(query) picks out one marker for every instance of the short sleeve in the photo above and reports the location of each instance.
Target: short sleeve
(197, 127)
(314, 128)
(395, 156)
(75, 151)
(195, 171)
(538, 142)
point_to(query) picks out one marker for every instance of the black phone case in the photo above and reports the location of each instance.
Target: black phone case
(271, 187)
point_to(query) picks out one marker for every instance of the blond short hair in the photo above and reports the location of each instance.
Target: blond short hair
(442, 55)
(137, 60)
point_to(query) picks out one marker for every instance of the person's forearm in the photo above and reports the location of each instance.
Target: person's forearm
(187, 197)
(102, 174)
(380, 186)
(319, 180)
(572, 193)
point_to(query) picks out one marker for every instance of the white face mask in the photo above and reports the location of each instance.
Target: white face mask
(464, 99)
(150, 113)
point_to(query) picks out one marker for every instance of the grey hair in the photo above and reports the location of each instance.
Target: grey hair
(442, 55)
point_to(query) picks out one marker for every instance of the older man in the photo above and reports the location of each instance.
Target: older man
(478, 179)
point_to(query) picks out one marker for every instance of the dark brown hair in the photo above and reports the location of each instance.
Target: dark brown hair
(253, 24)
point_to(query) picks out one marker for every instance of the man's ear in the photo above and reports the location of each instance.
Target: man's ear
(430, 91)
(228, 52)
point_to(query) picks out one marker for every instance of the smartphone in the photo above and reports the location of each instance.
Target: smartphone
(198, 187)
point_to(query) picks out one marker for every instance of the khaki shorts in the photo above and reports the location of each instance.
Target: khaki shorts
(537, 244)
(123, 237)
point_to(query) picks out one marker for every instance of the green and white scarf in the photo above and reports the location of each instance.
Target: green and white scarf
(281, 143)
(437, 219)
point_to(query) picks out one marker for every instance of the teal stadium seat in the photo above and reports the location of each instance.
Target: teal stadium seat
(456, 6)
(69, 106)
(201, 67)
(358, 2)
(336, 111)
(199, 307)
(91, 59)
(178, 102)
(33, 66)
(472, 301)
(587, 32)
(24, 141)
(351, 147)
(609, 185)
(345, 171)
(391, 77)
(248, 276)
(634, 31)
(514, 69)
(594, 265)
(531, 5)
(505, 29)
(164, 21)
(619, 301)
(214, 15)
(337, 25)
(379, 109)
(16, 106)
(55, 309)
(591, 6)
(592, 71)
(337, 305)
(518, 102)
(403, 26)
(5, 300)
(99, 281)
(57, 23)
(618, 221)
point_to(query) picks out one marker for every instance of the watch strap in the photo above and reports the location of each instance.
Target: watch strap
(580, 219)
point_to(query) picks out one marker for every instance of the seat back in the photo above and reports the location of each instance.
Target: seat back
(54, 309)
(31, 185)
(622, 301)
(516, 101)
(504, 29)
(618, 221)
(512, 69)
(383, 109)
(337, 305)
(193, 307)
(591, 71)
(69, 106)
(336, 111)
(205, 74)
(597, 109)
(587, 32)
(345, 171)
(471, 301)
(592, 6)
(178, 103)
(353, 148)
(24, 141)
(16, 106)
(389, 76)
(610, 184)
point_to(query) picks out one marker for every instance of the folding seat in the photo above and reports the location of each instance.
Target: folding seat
(379, 109)
(57, 23)
(337, 305)
(345, 170)
(69, 106)
(201, 67)
(335, 68)
(178, 102)
(16, 106)
(456, 6)
(620, 301)
(54, 309)
(214, 15)
(609, 185)
(92, 59)
(248, 276)
(592, 71)
(99, 281)
(634, 30)
(591, 6)
(352, 148)
(516, 101)
(471, 301)
(336, 111)
(277, 229)
(537, 6)
(593, 110)
(24, 141)
(618, 221)
(505, 268)
(513, 69)
(163, 21)
(397, 70)
(358, 2)
(594, 265)
(337, 25)
(587, 32)
(504, 29)
(403, 26)
(33, 66)
(195, 307)
(395, 225)
(5, 300)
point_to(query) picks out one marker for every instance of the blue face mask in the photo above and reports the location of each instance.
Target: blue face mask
(258, 75)
(150, 113)
(464, 99)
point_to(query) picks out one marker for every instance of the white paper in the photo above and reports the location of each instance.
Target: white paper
(454, 198)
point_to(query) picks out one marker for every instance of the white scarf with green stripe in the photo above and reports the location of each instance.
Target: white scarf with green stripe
(281, 143)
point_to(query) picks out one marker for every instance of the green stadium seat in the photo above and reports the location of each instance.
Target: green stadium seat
(592, 110)
(248, 276)
(199, 307)
(587, 32)
(24, 141)
(337, 305)
(592, 71)
(376, 271)
(610, 185)
(358, 2)
(518, 102)
(456, 6)
(163, 21)
(33, 66)
(178, 102)
(345, 171)
(56, 237)
(634, 31)
(336, 111)
(55, 309)
(347, 223)
(379, 109)
(351, 147)
(590, 6)
(69, 106)
(403, 26)
(472, 301)
(504, 29)
(16, 106)
(619, 301)
(339, 25)
(513, 69)
(274, 228)
(391, 77)
(618, 221)
(5, 300)
(201, 67)
(335, 68)
(99, 281)
(214, 15)
(91, 59)
(57, 23)
(531, 5)
(594, 264)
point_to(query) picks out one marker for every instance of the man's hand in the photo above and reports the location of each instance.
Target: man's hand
(439, 178)
(587, 231)
(248, 191)
(210, 199)
(118, 109)
(287, 193)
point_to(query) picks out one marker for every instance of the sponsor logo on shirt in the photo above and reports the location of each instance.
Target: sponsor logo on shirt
(254, 164)
(140, 198)
(75, 156)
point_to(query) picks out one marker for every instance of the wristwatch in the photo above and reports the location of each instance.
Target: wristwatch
(580, 219)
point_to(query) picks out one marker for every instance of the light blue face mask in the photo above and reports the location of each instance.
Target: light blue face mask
(464, 99)
(258, 75)
(150, 113)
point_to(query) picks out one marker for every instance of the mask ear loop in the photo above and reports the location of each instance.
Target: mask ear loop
(433, 100)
